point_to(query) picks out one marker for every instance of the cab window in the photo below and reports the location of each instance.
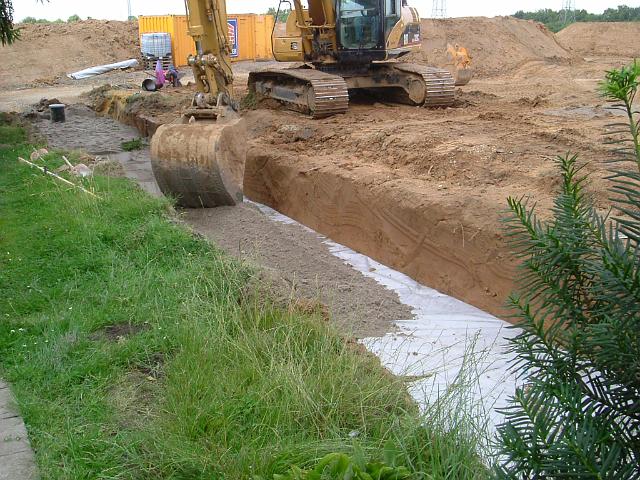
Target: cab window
(359, 24)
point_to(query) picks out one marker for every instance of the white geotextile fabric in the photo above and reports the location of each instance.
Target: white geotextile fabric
(432, 346)
(100, 69)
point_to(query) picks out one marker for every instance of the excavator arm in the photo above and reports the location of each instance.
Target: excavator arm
(201, 161)
(207, 21)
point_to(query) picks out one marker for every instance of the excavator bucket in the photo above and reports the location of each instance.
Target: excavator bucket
(200, 164)
(461, 60)
(463, 76)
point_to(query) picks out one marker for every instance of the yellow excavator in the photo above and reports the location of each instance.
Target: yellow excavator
(342, 45)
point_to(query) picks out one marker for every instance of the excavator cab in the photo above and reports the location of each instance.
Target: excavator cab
(347, 31)
(360, 25)
(370, 30)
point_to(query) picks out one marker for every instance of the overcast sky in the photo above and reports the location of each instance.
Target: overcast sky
(117, 9)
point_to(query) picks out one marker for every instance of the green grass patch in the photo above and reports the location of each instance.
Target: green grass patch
(137, 350)
(132, 145)
(11, 136)
(249, 101)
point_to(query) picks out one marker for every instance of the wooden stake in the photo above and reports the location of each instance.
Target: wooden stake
(57, 177)
(66, 160)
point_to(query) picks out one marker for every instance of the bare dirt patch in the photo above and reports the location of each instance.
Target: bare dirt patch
(45, 53)
(602, 38)
(498, 45)
(120, 332)
(135, 399)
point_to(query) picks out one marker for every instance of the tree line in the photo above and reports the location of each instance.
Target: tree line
(557, 20)
(71, 19)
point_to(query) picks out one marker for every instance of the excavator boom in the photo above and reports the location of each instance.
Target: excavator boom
(207, 21)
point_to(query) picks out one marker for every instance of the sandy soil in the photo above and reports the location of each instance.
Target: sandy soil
(46, 53)
(497, 45)
(425, 191)
(421, 190)
(602, 39)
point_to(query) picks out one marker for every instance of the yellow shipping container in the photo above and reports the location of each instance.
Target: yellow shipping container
(253, 32)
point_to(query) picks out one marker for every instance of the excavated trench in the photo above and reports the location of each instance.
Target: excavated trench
(427, 239)
(424, 241)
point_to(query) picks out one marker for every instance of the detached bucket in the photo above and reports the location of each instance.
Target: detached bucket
(149, 85)
(57, 112)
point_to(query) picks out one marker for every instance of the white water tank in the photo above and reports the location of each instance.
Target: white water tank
(156, 44)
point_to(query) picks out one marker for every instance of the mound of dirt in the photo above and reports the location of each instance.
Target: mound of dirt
(47, 52)
(497, 45)
(602, 38)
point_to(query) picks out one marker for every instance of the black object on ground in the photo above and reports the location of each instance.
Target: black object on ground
(57, 112)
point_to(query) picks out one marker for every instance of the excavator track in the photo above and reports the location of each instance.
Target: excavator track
(306, 90)
(439, 84)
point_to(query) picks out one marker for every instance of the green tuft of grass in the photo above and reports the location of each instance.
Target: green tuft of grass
(249, 101)
(136, 97)
(136, 350)
(131, 145)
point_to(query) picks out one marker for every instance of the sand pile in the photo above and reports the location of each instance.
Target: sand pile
(49, 51)
(498, 44)
(602, 38)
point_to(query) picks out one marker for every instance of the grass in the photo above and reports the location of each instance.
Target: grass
(131, 145)
(249, 101)
(137, 350)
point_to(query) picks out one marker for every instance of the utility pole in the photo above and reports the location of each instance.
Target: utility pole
(129, 14)
(439, 9)
(568, 12)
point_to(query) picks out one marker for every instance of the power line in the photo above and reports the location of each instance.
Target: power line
(439, 9)
(568, 11)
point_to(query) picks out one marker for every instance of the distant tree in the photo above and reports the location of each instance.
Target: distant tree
(29, 20)
(282, 16)
(74, 18)
(8, 34)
